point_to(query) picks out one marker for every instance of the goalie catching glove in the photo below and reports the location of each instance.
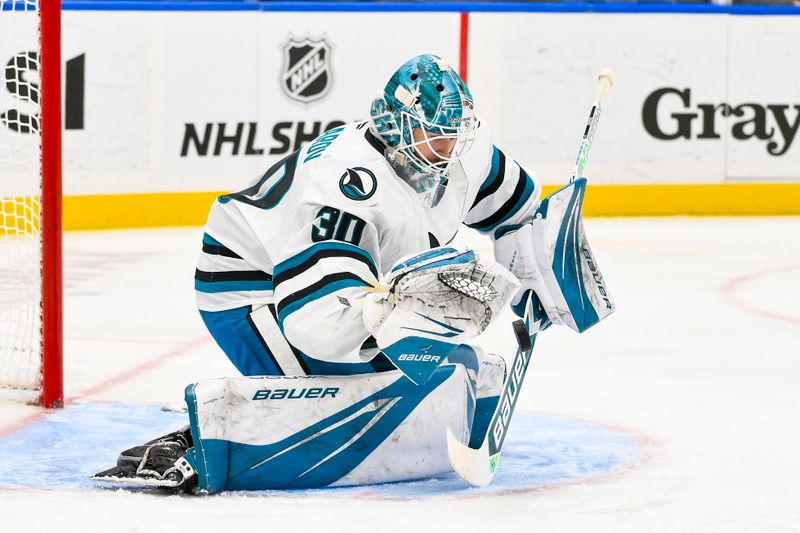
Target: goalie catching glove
(431, 302)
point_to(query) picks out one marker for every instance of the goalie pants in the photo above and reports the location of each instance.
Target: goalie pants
(250, 338)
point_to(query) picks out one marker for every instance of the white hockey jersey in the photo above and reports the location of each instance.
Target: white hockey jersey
(310, 234)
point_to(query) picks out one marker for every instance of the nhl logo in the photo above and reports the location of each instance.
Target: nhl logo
(307, 72)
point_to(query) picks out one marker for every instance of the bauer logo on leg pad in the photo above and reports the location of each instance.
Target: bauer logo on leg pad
(296, 394)
(598, 278)
(419, 357)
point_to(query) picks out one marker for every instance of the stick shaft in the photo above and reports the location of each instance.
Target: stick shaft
(606, 78)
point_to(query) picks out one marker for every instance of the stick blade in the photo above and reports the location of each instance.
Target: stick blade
(475, 467)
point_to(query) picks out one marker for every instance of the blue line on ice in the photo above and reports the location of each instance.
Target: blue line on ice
(68, 446)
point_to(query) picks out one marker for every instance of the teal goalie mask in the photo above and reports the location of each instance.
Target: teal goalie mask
(425, 120)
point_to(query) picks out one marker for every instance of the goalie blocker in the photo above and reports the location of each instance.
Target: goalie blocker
(552, 258)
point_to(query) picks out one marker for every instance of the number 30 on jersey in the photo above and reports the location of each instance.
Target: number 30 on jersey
(332, 223)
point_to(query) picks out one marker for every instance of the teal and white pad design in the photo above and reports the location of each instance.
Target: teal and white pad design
(570, 269)
(317, 431)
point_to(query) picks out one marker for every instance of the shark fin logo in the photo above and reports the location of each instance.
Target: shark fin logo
(358, 183)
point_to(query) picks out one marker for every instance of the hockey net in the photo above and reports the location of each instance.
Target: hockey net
(26, 241)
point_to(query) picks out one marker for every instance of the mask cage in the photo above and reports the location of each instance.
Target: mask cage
(433, 135)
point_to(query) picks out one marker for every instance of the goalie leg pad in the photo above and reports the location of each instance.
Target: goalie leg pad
(315, 431)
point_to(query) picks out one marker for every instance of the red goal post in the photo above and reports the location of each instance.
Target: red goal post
(31, 340)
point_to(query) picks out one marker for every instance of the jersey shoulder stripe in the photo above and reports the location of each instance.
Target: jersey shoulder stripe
(522, 193)
(495, 177)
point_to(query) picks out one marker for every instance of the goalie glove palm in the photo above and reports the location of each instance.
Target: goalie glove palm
(448, 287)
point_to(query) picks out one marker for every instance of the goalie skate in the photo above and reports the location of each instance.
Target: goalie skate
(158, 463)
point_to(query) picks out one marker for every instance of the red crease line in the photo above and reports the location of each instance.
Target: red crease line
(110, 383)
(729, 289)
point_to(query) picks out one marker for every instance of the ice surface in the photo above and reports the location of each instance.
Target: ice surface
(699, 367)
(65, 448)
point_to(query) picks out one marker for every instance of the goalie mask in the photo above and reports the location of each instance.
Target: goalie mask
(425, 119)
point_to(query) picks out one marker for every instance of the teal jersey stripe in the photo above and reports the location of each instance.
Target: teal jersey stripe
(231, 286)
(493, 174)
(208, 239)
(306, 254)
(494, 179)
(519, 204)
(316, 295)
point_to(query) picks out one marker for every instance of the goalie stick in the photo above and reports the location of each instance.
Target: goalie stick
(606, 78)
(477, 466)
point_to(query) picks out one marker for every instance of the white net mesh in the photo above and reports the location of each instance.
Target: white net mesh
(20, 192)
